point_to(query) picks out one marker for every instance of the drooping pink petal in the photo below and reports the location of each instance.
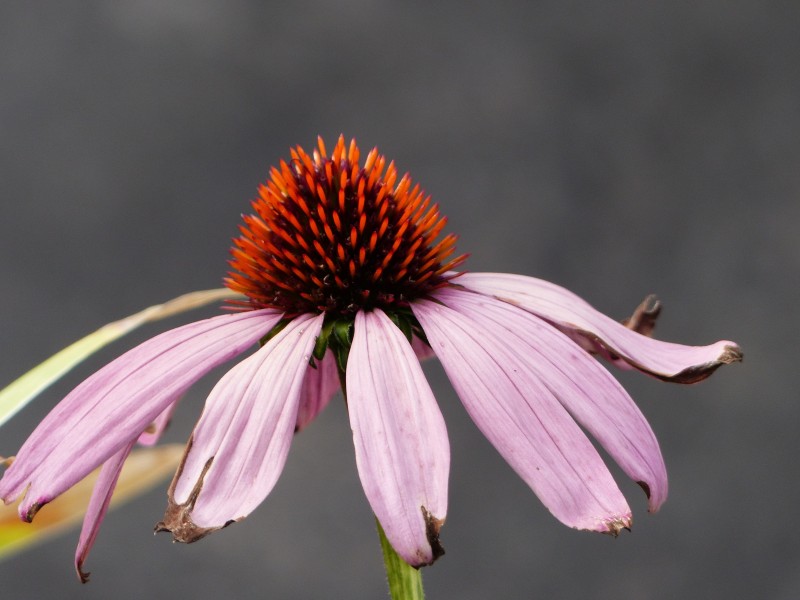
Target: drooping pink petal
(115, 405)
(586, 389)
(665, 360)
(154, 431)
(239, 446)
(106, 484)
(98, 506)
(523, 419)
(421, 349)
(319, 386)
(402, 450)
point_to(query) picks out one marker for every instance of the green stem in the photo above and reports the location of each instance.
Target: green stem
(405, 582)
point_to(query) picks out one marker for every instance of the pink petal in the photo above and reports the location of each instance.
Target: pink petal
(589, 392)
(322, 383)
(522, 418)
(421, 349)
(239, 446)
(156, 429)
(116, 404)
(665, 360)
(98, 505)
(402, 451)
(319, 386)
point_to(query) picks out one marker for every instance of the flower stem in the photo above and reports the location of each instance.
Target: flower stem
(405, 582)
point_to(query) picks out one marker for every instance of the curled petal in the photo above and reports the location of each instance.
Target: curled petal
(114, 406)
(643, 319)
(319, 386)
(586, 389)
(665, 360)
(523, 419)
(98, 506)
(402, 451)
(239, 446)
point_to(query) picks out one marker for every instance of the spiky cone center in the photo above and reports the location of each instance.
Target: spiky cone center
(328, 235)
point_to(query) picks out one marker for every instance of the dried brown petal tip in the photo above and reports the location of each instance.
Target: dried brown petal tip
(645, 487)
(32, 511)
(178, 517)
(178, 521)
(617, 524)
(643, 319)
(731, 354)
(432, 528)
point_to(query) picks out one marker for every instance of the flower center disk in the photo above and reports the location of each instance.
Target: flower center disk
(328, 235)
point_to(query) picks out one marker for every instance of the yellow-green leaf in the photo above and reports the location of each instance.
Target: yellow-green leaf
(144, 468)
(23, 390)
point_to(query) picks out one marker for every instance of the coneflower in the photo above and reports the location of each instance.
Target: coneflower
(347, 282)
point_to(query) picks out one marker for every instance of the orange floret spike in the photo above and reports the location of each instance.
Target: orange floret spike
(286, 172)
(391, 175)
(309, 181)
(321, 195)
(370, 162)
(381, 195)
(320, 250)
(321, 212)
(361, 198)
(338, 151)
(306, 160)
(315, 231)
(301, 241)
(329, 262)
(303, 205)
(353, 153)
(309, 262)
(329, 235)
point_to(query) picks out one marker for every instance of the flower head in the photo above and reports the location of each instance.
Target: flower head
(344, 278)
(330, 236)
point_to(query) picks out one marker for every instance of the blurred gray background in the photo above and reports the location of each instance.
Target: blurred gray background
(616, 148)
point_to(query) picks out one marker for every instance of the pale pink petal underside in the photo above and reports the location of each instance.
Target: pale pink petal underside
(156, 429)
(402, 450)
(98, 505)
(116, 405)
(665, 360)
(319, 386)
(522, 418)
(239, 446)
(421, 349)
(586, 389)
